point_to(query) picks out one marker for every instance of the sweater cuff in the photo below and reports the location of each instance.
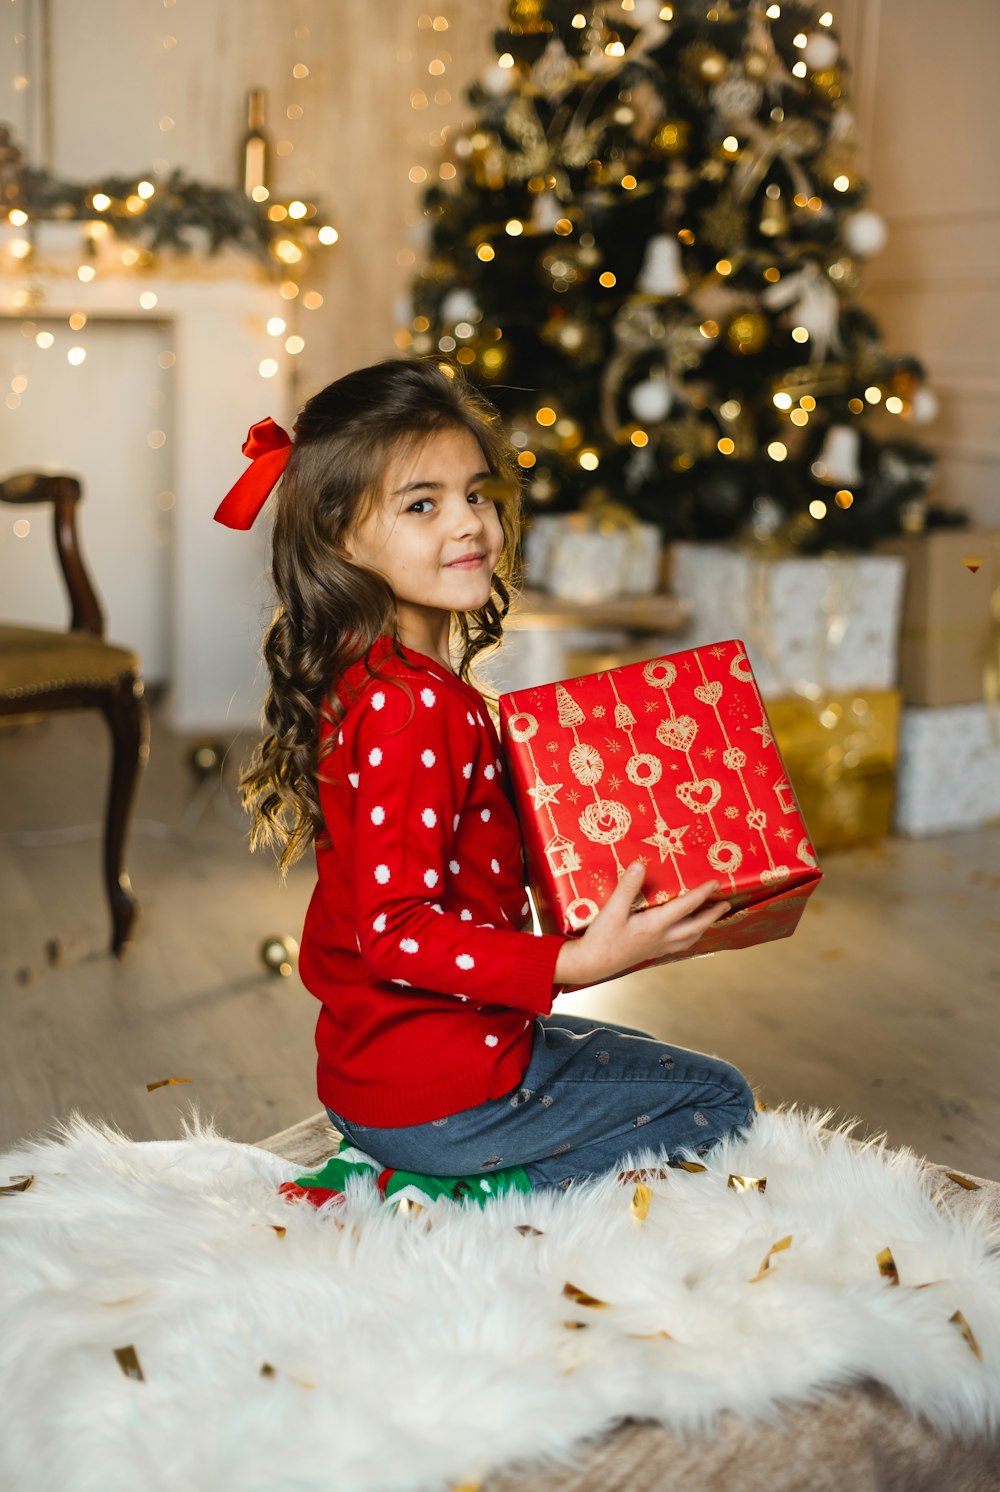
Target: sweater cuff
(535, 967)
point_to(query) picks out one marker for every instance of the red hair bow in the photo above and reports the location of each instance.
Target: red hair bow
(269, 448)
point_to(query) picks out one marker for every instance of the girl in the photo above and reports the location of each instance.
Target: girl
(393, 555)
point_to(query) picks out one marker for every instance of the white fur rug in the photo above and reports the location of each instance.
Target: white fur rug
(422, 1350)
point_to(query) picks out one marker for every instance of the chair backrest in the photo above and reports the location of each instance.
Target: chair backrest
(63, 492)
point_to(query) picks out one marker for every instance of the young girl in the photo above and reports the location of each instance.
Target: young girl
(393, 553)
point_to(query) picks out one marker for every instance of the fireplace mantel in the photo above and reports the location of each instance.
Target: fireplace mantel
(218, 331)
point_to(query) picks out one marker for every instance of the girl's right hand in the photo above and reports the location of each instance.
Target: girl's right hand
(618, 938)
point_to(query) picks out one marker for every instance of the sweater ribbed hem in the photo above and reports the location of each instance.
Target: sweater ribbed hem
(396, 1108)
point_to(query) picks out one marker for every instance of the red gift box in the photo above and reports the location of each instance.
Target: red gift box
(673, 762)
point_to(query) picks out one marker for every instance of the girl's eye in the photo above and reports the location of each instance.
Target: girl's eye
(419, 504)
(477, 497)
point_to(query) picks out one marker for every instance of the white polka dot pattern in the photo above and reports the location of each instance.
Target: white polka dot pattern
(379, 924)
(495, 867)
(409, 945)
(467, 770)
(454, 867)
(489, 773)
(465, 961)
(428, 697)
(465, 914)
(375, 755)
(429, 817)
(353, 778)
(378, 814)
(428, 758)
(490, 1040)
(485, 815)
(430, 877)
(378, 700)
(382, 874)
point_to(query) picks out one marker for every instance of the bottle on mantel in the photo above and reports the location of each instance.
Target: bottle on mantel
(255, 147)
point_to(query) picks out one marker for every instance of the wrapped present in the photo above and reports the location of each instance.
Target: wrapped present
(811, 623)
(593, 555)
(949, 651)
(674, 762)
(841, 752)
(949, 769)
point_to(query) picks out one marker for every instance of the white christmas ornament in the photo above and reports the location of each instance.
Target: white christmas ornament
(924, 406)
(821, 51)
(865, 234)
(497, 80)
(838, 457)
(651, 400)
(459, 305)
(661, 272)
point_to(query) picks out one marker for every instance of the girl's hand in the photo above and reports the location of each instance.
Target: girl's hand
(619, 938)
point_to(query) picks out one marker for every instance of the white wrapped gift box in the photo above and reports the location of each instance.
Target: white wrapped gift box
(809, 623)
(570, 558)
(949, 769)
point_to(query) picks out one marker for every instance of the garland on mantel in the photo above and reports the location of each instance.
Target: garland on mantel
(165, 214)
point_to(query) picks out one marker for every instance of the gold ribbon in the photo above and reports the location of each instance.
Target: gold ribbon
(787, 141)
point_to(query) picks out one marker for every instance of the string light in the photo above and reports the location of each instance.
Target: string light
(607, 279)
(639, 438)
(800, 334)
(843, 498)
(731, 144)
(76, 355)
(817, 508)
(514, 227)
(727, 446)
(782, 401)
(842, 183)
(894, 404)
(147, 300)
(86, 273)
(777, 451)
(44, 340)
(799, 70)
(17, 218)
(275, 326)
(267, 367)
(873, 394)
(589, 460)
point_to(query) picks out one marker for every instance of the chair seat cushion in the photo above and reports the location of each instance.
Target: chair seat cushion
(35, 660)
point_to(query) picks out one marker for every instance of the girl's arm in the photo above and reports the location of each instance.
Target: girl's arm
(408, 794)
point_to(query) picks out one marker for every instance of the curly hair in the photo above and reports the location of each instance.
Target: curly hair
(330, 609)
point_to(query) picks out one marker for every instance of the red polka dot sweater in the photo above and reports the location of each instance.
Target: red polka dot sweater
(411, 940)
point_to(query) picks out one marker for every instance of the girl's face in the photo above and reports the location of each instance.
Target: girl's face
(433, 536)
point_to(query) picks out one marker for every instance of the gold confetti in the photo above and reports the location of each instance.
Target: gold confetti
(526, 1230)
(887, 1266)
(761, 1106)
(166, 1082)
(573, 1292)
(267, 1371)
(966, 1331)
(277, 1228)
(128, 1361)
(409, 1209)
(649, 1336)
(639, 1205)
(18, 1184)
(646, 1174)
(963, 1181)
(776, 1248)
(973, 562)
(300, 1382)
(686, 1165)
(748, 1183)
(576, 1325)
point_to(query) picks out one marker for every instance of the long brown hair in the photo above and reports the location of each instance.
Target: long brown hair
(330, 609)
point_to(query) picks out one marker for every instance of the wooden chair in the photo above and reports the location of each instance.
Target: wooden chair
(42, 669)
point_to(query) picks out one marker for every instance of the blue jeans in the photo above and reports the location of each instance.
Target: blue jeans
(592, 1096)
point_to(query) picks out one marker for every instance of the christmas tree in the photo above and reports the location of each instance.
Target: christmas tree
(647, 243)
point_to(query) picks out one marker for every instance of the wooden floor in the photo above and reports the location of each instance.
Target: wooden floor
(884, 1006)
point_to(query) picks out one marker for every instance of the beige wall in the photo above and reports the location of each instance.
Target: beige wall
(924, 80)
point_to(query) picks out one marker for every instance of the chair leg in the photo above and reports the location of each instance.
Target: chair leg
(125, 711)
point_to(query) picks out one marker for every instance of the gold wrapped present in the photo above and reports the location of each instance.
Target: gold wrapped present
(840, 752)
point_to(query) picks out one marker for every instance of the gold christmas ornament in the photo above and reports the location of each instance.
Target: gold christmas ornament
(671, 138)
(279, 955)
(747, 333)
(724, 224)
(704, 63)
(527, 18)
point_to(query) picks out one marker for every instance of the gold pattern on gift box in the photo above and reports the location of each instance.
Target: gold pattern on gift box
(606, 821)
